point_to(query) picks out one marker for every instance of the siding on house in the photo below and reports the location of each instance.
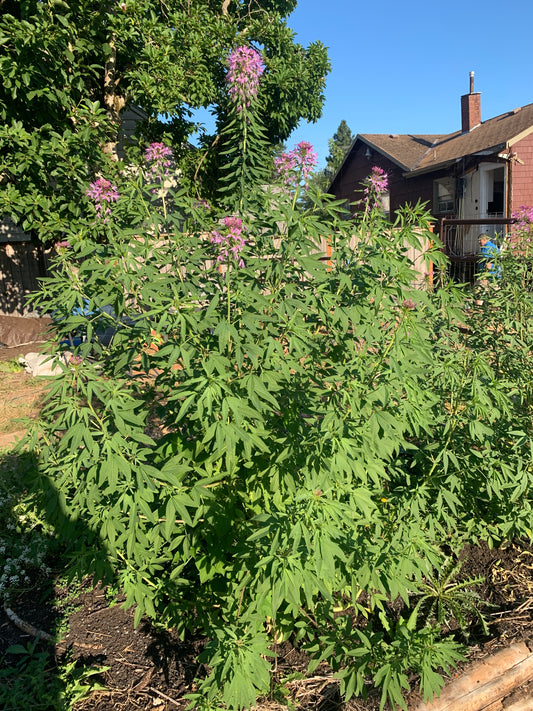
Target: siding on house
(522, 190)
(469, 159)
(402, 191)
(348, 181)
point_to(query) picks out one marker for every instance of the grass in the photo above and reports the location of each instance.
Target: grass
(11, 366)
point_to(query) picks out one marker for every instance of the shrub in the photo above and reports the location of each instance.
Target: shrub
(274, 444)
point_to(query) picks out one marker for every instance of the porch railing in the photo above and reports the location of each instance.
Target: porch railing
(460, 240)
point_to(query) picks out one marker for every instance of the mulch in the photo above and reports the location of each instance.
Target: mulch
(148, 667)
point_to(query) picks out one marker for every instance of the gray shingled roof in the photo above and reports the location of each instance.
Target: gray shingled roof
(419, 154)
(404, 150)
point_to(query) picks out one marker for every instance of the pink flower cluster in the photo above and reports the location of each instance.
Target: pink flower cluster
(245, 67)
(521, 237)
(231, 243)
(158, 157)
(296, 165)
(103, 193)
(377, 182)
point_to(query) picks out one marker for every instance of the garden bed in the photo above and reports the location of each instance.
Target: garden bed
(149, 668)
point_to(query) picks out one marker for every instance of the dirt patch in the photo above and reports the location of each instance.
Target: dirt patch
(152, 668)
(21, 399)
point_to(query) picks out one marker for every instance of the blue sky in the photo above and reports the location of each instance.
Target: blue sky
(401, 67)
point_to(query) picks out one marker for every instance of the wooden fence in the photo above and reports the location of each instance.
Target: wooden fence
(23, 262)
(21, 266)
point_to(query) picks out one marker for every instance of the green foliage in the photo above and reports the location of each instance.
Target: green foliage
(445, 598)
(11, 366)
(26, 542)
(387, 657)
(34, 682)
(69, 70)
(272, 443)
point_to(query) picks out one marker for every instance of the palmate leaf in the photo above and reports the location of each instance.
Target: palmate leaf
(282, 447)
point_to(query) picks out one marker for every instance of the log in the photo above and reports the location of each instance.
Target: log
(523, 705)
(488, 681)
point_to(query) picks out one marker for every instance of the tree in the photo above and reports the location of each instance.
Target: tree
(70, 68)
(338, 145)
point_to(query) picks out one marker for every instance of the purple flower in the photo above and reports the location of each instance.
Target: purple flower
(245, 67)
(63, 244)
(522, 229)
(285, 165)
(296, 165)
(201, 205)
(374, 187)
(158, 158)
(103, 193)
(75, 360)
(409, 304)
(376, 183)
(231, 243)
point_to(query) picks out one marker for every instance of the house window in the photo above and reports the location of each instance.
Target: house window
(444, 196)
(496, 205)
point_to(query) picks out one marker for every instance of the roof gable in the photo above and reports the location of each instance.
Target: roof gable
(405, 150)
(417, 154)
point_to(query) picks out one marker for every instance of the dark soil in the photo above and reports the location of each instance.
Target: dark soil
(150, 668)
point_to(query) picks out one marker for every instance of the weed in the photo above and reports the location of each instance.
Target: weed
(66, 602)
(33, 682)
(11, 366)
(445, 598)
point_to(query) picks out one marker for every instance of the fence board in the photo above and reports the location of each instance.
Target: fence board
(21, 266)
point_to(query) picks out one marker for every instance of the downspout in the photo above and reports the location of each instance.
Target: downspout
(509, 187)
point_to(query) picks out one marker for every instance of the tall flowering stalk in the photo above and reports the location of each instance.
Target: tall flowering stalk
(246, 163)
(296, 166)
(374, 187)
(158, 159)
(102, 192)
(230, 244)
(245, 67)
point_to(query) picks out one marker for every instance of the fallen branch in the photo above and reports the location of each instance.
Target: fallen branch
(26, 627)
(160, 693)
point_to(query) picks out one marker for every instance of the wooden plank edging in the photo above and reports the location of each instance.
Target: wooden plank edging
(489, 681)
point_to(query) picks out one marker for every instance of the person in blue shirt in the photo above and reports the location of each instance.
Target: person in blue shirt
(489, 254)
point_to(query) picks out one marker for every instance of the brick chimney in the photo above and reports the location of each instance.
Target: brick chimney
(470, 108)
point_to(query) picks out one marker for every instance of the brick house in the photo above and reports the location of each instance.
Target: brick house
(483, 171)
